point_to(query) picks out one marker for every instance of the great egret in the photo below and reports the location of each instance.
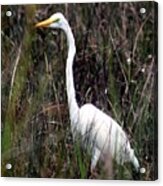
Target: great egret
(98, 131)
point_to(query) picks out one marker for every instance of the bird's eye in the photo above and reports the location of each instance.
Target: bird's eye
(56, 20)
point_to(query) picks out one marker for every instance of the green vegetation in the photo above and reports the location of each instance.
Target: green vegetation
(115, 68)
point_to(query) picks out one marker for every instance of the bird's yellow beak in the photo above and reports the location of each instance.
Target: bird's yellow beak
(44, 23)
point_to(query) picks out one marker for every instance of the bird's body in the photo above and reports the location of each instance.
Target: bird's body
(104, 136)
(98, 131)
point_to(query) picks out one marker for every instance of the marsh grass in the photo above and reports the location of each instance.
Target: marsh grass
(115, 69)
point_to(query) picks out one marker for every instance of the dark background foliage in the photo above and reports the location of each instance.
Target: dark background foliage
(115, 68)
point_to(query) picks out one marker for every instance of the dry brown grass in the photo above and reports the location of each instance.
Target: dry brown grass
(115, 68)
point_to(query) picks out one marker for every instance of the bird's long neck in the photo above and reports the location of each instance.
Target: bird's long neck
(72, 103)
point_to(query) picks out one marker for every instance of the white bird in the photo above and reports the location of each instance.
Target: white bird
(98, 131)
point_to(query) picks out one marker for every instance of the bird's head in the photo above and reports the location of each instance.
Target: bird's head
(57, 20)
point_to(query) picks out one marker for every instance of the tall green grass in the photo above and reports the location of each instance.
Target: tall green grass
(115, 69)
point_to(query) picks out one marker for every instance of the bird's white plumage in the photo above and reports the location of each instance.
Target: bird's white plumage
(102, 134)
(98, 131)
